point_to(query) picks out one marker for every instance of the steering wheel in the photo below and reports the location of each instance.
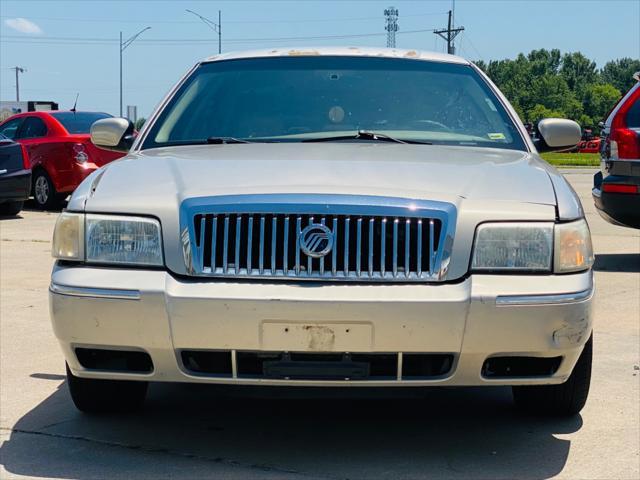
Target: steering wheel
(433, 122)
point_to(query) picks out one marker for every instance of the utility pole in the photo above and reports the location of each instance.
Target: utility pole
(391, 27)
(451, 34)
(216, 27)
(123, 46)
(18, 70)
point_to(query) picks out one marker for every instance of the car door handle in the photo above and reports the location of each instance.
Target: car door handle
(2, 172)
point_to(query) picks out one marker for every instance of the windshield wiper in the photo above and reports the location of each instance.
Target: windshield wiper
(365, 135)
(225, 140)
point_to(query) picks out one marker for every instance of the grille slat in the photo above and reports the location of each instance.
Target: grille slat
(236, 264)
(334, 253)
(249, 243)
(370, 262)
(365, 247)
(419, 259)
(407, 246)
(359, 248)
(431, 246)
(309, 259)
(395, 247)
(274, 235)
(285, 250)
(225, 244)
(261, 258)
(323, 222)
(346, 246)
(202, 225)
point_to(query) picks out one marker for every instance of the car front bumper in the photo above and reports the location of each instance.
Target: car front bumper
(479, 317)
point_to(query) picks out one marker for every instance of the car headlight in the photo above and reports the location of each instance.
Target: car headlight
(532, 246)
(111, 239)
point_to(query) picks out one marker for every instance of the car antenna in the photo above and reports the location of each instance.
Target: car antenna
(75, 103)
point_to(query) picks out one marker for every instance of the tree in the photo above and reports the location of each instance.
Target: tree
(139, 123)
(544, 61)
(599, 99)
(552, 92)
(538, 112)
(545, 83)
(619, 73)
(578, 71)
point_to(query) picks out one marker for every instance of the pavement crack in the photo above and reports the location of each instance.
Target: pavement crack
(156, 450)
(25, 240)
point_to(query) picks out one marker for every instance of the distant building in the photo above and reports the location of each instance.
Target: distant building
(11, 107)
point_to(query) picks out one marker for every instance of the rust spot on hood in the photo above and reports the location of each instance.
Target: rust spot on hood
(294, 53)
(411, 54)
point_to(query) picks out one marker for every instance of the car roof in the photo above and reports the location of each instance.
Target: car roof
(41, 113)
(340, 51)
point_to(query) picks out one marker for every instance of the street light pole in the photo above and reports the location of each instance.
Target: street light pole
(120, 74)
(123, 46)
(216, 27)
(18, 70)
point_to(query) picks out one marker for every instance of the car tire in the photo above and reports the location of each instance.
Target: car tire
(11, 208)
(104, 396)
(566, 399)
(44, 192)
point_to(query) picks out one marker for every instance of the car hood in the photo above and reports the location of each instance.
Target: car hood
(158, 176)
(483, 184)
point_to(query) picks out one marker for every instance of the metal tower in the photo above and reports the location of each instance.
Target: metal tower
(391, 15)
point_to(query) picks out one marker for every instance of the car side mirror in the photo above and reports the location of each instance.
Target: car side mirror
(113, 134)
(556, 134)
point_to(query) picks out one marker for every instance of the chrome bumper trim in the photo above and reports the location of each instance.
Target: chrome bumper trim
(554, 299)
(94, 292)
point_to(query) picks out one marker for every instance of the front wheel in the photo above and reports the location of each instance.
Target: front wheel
(103, 396)
(565, 399)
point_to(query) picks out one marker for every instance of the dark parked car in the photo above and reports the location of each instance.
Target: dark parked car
(616, 188)
(15, 176)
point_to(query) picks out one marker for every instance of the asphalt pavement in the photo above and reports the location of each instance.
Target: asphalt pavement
(201, 431)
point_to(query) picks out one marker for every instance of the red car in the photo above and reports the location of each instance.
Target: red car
(59, 149)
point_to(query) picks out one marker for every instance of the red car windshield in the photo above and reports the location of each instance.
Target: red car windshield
(78, 122)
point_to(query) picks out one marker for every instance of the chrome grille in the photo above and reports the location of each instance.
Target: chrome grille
(262, 239)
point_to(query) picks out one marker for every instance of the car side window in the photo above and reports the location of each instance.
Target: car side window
(33, 127)
(10, 128)
(633, 115)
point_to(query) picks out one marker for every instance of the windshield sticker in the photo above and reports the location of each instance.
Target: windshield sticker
(496, 136)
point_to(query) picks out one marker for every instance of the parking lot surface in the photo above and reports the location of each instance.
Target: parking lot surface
(201, 431)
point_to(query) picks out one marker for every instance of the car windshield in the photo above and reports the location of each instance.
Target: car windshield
(294, 99)
(78, 122)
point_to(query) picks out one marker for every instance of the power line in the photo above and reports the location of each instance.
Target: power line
(184, 41)
(309, 20)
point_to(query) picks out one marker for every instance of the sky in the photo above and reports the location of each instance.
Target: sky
(71, 47)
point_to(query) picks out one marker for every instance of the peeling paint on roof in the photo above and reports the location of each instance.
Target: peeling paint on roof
(340, 51)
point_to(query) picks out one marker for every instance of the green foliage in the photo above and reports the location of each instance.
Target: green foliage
(619, 73)
(139, 123)
(572, 159)
(546, 83)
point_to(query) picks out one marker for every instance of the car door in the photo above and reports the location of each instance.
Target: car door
(33, 135)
